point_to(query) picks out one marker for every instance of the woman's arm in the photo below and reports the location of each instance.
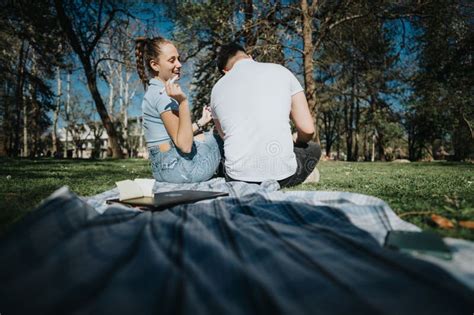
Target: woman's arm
(178, 123)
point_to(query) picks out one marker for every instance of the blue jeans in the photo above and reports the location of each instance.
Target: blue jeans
(175, 166)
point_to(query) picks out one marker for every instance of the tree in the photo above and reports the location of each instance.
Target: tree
(117, 71)
(208, 25)
(441, 106)
(84, 25)
(355, 73)
(29, 55)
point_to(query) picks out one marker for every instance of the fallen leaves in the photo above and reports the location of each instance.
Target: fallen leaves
(442, 222)
(467, 224)
(446, 223)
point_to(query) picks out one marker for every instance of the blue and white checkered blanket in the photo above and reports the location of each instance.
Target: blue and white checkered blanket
(368, 213)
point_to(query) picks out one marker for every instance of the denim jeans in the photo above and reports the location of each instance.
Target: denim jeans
(175, 166)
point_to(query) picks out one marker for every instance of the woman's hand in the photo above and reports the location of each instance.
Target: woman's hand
(174, 91)
(205, 117)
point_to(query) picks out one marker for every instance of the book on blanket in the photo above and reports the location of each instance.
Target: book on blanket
(139, 193)
(140, 187)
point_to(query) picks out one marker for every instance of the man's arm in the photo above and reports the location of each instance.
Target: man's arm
(218, 127)
(302, 118)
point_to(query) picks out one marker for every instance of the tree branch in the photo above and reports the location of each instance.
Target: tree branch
(313, 7)
(101, 32)
(96, 64)
(99, 15)
(347, 18)
(201, 45)
(294, 49)
(468, 124)
(69, 30)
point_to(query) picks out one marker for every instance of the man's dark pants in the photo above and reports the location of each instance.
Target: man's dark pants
(307, 156)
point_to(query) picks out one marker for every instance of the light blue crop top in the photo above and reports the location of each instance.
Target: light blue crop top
(154, 103)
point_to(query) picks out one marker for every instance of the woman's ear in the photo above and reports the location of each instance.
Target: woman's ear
(154, 65)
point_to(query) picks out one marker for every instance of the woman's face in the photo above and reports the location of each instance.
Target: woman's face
(168, 64)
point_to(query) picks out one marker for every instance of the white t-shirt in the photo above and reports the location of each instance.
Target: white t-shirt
(252, 103)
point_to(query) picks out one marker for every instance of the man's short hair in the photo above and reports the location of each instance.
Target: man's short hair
(226, 52)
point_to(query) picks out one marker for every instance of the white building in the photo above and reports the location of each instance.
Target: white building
(83, 140)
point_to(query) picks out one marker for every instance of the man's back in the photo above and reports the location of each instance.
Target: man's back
(252, 103)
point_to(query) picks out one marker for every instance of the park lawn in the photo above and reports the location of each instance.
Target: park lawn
(413, 190)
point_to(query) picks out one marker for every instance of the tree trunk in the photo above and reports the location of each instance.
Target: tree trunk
(56, 112)
(36, 124)
(349, 119)
(364, 146)
(330, 121)
(25, 128)
(6, 123)
(357, 120)
(19, 98)
(108, 125)
(308, 63)
(122, 109)
(113, 74)
(380, 146)
(140, 140)
(124, 86)
(350, 133)
(372, 156)
(111, 99)
(66, 112)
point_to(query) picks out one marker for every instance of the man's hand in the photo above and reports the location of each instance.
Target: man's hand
(217, 126)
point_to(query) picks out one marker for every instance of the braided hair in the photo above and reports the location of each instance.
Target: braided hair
(147, 49)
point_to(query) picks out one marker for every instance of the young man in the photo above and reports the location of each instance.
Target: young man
(252, 105)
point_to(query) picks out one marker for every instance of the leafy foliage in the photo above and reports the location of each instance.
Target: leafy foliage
(29, 52)
(444, 94)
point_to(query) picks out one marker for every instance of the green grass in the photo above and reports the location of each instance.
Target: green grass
(413, 190)
(24, 183)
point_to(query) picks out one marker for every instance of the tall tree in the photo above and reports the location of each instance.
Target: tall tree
(84, 24)
(54, 134)
(442, 104)
(29, 55)
(117, 71)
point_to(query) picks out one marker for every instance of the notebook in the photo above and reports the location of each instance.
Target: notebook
(165, 200)
(418, 242)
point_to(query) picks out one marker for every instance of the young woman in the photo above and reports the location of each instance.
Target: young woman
(176, 155)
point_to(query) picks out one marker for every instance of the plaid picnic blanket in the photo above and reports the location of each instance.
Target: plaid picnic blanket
(368, 213)
(257, 251)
